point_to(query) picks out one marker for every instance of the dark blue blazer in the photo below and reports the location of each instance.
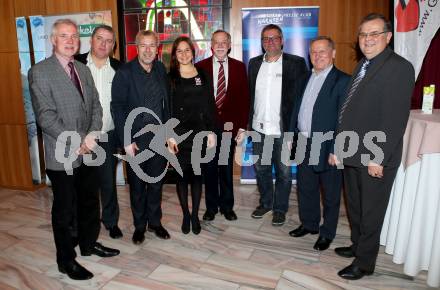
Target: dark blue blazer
(325, 111)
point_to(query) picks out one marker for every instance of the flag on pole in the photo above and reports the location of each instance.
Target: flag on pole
(415, 24)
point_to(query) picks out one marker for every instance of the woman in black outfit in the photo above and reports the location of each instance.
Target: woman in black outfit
(192, 103)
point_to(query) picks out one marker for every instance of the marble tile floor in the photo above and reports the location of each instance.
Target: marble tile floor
(242, 254)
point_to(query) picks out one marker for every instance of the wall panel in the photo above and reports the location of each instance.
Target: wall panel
(7, 27)
(26, 7)
(14, 157)
(11, 100)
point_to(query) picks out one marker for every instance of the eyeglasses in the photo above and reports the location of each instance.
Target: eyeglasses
(65, 37)
(271, 39)
(374, 34)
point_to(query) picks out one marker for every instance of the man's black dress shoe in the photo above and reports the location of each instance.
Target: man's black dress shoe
(353, 272)
(345, 252)
(115, 232)
(322, 244)
(101, 251)
(138, 236)
(75, 271)
(159, 231)
(209, 215)
(301, 231)
(230, 215)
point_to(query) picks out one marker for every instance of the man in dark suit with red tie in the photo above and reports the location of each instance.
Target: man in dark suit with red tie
(232, 103)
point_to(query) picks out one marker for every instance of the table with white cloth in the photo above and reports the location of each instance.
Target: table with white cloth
(411, 229)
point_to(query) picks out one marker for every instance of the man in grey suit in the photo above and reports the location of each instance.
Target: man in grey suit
(66, 103)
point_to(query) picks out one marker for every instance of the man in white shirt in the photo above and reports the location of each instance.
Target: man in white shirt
(272, 83)
(103, 68)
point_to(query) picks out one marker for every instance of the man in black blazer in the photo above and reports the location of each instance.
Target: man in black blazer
(103, 68)
(378, 100)
(316, 113)
(273, 79)
(142, 84)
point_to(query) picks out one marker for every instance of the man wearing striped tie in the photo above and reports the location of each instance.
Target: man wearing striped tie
(378, 102)
(232, 102)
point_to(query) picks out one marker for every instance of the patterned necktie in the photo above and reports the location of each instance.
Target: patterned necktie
(221, 86)
(75, 79)
(353, 87)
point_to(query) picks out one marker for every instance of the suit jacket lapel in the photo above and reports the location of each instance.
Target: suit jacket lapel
(64, 78)
(326, 86)
(86, 94)
(371, 71)
(231, 75)
(210, 69)
(259, 61)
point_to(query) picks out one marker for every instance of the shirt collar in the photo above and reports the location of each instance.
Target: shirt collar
(323, 72)
(90, 60)
(64, 61)
(279, 60)
(215, 59)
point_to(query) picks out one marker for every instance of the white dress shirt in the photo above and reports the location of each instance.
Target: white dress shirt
(311, 92)
(103, 78)
(215, 69)
(267, 104)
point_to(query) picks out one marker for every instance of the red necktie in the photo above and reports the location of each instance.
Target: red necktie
(221, 86)
(75, 79)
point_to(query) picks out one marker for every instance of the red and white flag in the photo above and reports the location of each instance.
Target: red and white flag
(415, 24)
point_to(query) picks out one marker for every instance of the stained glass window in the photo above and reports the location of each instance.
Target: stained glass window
(170, 19)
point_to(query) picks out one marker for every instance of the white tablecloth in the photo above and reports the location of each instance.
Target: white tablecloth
(411, 229)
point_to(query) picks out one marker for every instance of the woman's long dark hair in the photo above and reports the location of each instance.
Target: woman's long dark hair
(174, 64)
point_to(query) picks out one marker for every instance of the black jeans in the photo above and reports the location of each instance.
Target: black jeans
(107, 178)
(145, 196)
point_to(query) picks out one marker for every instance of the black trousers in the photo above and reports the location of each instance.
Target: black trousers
(145, 196)
(75, 201)
(107, 180)
(309, 199)
(219, 190)
(367, 201)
